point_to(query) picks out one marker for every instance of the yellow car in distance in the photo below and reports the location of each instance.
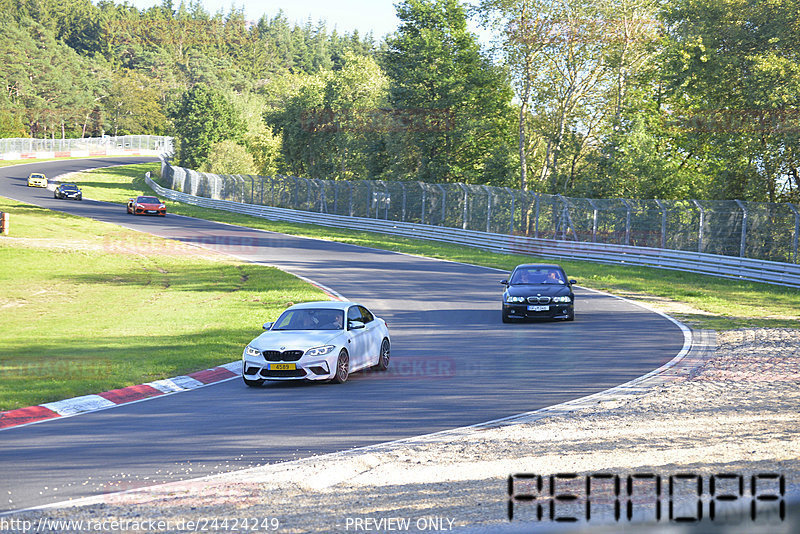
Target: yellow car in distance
(37, 179)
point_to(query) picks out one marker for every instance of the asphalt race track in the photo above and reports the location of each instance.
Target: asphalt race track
(453, 364)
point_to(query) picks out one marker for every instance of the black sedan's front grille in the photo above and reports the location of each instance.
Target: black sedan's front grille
(286, 356)
(538, 300)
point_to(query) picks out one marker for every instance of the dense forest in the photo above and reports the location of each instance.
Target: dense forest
(597, 98)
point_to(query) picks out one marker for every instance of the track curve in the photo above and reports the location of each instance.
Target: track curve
(453, 364)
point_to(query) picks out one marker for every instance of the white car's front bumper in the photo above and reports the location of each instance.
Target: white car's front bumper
(306, 368)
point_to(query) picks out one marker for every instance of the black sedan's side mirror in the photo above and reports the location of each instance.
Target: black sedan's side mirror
(504, 282)
(571, 282)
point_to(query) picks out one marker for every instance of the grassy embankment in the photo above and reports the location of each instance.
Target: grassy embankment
(702, 301)
(88, 306)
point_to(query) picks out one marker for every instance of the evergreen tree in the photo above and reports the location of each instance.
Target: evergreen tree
(202, 117)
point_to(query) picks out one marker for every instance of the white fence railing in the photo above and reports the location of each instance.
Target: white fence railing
(784, 274)
(27, 148)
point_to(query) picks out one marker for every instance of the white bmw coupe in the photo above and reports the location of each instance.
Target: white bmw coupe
(325, 341)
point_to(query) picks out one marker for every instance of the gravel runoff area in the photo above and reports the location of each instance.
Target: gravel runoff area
(730, 408)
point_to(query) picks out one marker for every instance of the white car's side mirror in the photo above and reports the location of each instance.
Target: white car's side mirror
(267, 326)
(355, 325)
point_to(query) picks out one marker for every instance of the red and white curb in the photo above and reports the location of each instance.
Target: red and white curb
(117, 397)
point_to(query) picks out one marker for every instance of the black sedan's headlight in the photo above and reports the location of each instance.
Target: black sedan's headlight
(509, 298)
(565, 299)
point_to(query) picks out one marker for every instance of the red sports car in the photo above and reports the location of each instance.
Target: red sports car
(146, 206)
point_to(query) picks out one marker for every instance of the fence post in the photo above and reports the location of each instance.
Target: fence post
(371, 200)
(261, 190)
(488, 207)
(702, 223)
(663, 223)
(422, 186)
(536, 226)
(307, 182)
(594, 220)
(567, 218)
(744, 228)
(627, 222)
(350, 187)
(386, 201)
(444, 199)
(403, 213)
(336, 197)
(796, 231)
(513, 198)
(464, 214)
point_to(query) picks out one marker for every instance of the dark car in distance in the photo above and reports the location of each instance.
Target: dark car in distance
(68, 191)
(538, 291)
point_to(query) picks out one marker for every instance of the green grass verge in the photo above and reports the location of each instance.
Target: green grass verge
(700, 300)
(88, 306)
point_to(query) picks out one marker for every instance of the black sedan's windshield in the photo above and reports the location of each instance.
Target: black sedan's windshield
(310, 319)
(537, 276)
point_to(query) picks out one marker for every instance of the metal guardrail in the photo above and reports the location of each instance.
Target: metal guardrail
(784, 274)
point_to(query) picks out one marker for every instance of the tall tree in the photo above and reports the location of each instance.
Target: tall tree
(202, 117)
(733, 73)
(572, 62)
(455, 102)
(329, 122)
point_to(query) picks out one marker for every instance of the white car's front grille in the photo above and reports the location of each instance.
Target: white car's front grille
(286, 356)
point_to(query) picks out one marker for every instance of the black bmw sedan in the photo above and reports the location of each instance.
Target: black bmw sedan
(68, 191)
(538, 291)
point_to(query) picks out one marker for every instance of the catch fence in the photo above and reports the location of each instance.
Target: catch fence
(766, 231)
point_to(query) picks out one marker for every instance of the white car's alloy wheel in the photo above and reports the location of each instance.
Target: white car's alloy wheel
(342, 368)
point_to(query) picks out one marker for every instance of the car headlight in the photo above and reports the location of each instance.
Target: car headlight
(565, 298)
(515, 299)
(320, 351)
(250, 351)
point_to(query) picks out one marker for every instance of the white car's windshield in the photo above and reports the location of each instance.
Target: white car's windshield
(310, 319)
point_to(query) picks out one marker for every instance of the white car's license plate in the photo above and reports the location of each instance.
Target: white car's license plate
(538, 308)
(283, 366)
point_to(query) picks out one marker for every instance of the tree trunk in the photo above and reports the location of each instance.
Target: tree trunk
(523, 116)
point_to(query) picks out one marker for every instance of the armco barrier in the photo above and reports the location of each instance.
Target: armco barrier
(784, 274)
